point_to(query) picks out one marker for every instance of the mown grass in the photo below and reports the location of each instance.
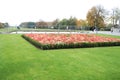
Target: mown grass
(19, 60)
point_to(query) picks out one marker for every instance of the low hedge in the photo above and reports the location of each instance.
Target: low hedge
(71, 45)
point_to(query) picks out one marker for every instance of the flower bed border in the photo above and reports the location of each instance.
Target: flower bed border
(71, 45)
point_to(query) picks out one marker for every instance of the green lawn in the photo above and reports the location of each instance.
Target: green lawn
(19, 60)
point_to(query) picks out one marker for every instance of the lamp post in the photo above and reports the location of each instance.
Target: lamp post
(58, 28)
(113, 17)
(95, 22)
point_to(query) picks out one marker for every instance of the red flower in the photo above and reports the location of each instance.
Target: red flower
(69, 38)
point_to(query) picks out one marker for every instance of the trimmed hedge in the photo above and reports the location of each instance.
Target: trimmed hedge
(71, 45)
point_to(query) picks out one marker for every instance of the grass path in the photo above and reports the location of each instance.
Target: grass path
(19, 60)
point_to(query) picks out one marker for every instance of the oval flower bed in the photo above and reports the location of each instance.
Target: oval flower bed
(57, 41)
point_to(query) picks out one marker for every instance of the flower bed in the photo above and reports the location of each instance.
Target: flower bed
(57, 41)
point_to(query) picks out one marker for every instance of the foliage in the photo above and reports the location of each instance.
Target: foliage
(1, 25)
(4, 25)
(81, 23)
(95, 16)
(41, 24)
(115, 16)
(67, 23)
(72, 21)
(28, 24)
(55, 23)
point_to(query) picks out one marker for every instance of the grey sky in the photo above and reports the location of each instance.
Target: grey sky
(16, 11)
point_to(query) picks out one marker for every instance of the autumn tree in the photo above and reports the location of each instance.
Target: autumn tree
(96, 16)
(78, 23)
(41, 24)
(81, 23)
(1, 25)
(55, 22)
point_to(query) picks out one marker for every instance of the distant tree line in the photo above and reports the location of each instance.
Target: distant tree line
(4, 25)
(40, 24)
(96, 17)
(71, 23)
(27, 24)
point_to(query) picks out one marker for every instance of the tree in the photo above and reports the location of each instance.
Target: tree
(63, 24)
(96, 16)
(1, 25)
(81, 23)
(55, 23)
(28, 24)
(6, 24)
(72, 21)
(78, 23)
(115, 16)
(67, 23)
(41, 24)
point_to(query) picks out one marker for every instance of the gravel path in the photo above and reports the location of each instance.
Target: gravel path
(89, 32)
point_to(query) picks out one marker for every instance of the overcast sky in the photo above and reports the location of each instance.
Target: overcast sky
(16, 11)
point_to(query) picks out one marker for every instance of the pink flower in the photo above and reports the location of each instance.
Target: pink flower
(69, 38)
